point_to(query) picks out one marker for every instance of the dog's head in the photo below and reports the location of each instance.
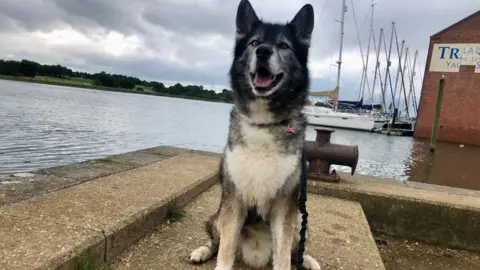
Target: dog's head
(270, 60)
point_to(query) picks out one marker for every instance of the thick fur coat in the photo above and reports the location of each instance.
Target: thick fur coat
(258, 221)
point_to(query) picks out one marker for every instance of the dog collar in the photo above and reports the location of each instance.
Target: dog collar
(285, 123)
(288, 128)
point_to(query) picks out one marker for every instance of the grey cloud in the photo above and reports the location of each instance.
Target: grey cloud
(112, 15)
(142, 67)
(177, 25)
(196, 19)
(33, 15)
(7, 25)
(152, 68)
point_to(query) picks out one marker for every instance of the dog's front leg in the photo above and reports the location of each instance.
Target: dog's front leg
(282, 224)
(229, 224)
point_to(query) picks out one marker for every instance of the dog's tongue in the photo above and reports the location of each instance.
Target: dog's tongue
(262, 80)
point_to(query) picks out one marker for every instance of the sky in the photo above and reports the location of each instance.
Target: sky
(191, 41)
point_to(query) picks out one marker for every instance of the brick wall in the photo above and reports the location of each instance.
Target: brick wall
(460, 112)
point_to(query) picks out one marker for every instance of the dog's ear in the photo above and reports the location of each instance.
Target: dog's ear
(246, 18)
(303, 23)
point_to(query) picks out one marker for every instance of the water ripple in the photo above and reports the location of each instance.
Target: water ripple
(43, 126)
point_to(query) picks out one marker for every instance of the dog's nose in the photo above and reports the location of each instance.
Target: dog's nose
(263, 52)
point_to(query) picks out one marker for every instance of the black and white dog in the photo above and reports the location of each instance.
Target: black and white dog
(258, 220)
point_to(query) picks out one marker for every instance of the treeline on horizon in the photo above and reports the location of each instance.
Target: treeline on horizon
(27, 68)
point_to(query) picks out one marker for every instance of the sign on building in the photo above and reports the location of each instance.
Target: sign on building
(449, 57)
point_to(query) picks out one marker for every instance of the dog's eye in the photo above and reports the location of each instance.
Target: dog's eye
(283, 45)
(255, 43)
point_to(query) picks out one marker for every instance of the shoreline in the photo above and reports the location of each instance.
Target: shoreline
(103, 88)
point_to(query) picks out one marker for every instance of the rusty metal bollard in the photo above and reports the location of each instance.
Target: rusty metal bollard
(321, 153)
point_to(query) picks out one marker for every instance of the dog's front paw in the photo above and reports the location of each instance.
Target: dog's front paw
(200, 254)
(310, 263)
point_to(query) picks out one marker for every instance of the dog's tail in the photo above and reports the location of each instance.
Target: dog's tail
(256, 245)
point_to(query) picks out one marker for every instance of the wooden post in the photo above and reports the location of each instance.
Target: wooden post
(436, 117)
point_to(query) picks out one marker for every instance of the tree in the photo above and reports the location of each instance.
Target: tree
(28, 68)
(105, 79)
(158, 87)
(126, 83)
(227, 95)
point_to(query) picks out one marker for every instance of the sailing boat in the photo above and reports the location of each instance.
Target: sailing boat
(340, 114)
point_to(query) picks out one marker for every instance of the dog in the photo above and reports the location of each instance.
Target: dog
(258, 220)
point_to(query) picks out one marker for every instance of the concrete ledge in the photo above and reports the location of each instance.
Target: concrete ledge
(15, 188)
(437, 215)
(96, 220)
(121, 236)
(92, 169)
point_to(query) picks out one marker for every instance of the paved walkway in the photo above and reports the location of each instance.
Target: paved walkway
(341, 238)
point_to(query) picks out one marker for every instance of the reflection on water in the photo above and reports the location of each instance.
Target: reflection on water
(43, 126)
(451, 165)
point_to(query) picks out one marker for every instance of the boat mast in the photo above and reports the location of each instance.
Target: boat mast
(411, 78)
(402, 86)
(377, 64)
(364, 79)
(339, 62)
(400, 54)
(361, 51)
(388, 63)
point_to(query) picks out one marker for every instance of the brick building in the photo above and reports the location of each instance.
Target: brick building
(455, 53)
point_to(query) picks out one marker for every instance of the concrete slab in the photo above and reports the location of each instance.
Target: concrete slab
(21, 186)
(14, 189)
(438, 216)
(166, 150)
(138, 158)
(92, 169)
(341, 238)
(46, 232)
(88, 170)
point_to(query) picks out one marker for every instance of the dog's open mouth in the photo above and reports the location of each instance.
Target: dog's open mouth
(264, 80)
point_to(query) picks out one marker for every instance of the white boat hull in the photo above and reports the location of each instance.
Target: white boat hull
(342, 122)
(329, 118)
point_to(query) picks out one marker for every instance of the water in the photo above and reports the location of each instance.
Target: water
(43, 126)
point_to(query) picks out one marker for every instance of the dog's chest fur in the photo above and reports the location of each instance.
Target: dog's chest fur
(259, 165)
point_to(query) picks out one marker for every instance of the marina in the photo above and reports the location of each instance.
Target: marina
(374, 117)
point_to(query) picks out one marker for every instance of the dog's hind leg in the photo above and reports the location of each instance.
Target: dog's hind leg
(309, 263)
(204, 253)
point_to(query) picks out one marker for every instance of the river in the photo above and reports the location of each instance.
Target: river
(43, 126)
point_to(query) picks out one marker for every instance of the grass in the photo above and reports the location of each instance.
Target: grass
(67, 81)
(174, 212)
(74, 81)
(84, 264)
(105, 159)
